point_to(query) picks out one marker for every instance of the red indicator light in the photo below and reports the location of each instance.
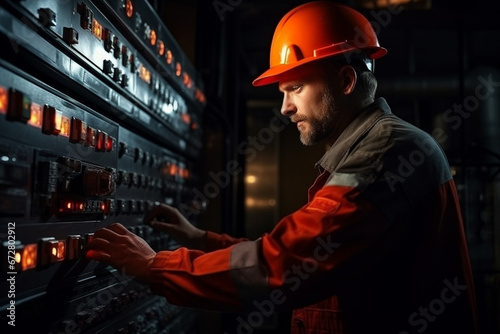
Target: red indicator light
(59, 250)
(109, 144)
(152, 37)
(101, 141)
(52, 120)
(78, 132)
(200, 97)
(169, 57)
(186, 80)
(29, 257)
(4, 100)
(186, 118)
(36, 115)
(96, 29)
(129, 8)
(79, 206)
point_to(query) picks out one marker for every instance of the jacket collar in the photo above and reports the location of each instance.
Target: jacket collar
(365, 120)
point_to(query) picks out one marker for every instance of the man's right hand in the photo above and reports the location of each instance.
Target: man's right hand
(168, 219)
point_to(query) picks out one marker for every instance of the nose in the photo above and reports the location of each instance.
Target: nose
(288, 108)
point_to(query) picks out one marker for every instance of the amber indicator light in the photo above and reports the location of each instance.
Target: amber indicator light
(36, 118)
(152, 37)
(169, 57)
(129, 8)
(4, 100)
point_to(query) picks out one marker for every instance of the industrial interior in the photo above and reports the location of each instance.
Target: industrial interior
(110, 106)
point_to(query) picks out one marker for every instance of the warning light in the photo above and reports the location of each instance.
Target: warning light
(4, 100)
(169, 57)
(178, 69)
(29, 257)
(96, 29)
(66, 206)
(51, 251)
(161, 48)
(101, 141)
(152, 37)
(145, 74)
(109, 144)
(58, 250)
(65, 126)
(186, 118)
(79, 206)
(129, 8)
(36, 115)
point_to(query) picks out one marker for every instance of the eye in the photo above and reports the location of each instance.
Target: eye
(296, 87)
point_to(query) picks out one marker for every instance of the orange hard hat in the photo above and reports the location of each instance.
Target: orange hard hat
(317, 30)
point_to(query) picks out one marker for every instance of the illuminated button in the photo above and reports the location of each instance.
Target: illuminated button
(89, 237)
(29, 257)
(129, 8)
(74, 245)
(51, 251)
(109, 144)
(4, 100)
(65, 126)
(52, 119)
(152, 37)
(66, 206)
(19, 107)
(107, 206)
(161, 48)
(169, 57)
(46, 17)
(178, 69)
(96, 29)
(97, 182)
(101, 141)
(36, 118)
(70, 35)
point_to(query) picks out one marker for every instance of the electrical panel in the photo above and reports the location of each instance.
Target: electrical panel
(100, 118)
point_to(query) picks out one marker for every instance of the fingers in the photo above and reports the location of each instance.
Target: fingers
(160, 212)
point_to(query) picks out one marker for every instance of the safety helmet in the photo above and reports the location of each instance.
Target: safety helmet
(317, 30)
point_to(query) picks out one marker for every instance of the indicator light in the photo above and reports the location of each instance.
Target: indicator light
(96, 29)
(178, 69)
(145, 74)
(161, 48)
(36, 115)
(78, 132)
(29, 257)
(52, 119)
(51, 251)
(109, 144)
(4, 100)
(186, 118)
(19, 107)
(101, 141)
(129, 8)
(152, 37)
(65, 126)
(169, 57)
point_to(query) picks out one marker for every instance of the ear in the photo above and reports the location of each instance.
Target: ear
(348, 79)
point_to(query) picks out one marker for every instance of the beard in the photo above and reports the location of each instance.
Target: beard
(320, 128)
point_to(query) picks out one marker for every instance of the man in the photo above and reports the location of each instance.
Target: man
(379, 247)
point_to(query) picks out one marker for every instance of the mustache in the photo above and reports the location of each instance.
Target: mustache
(296, 119)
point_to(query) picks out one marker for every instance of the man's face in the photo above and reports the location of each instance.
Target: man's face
(311, 102)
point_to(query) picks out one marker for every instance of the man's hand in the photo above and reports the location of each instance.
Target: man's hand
(168, 219)
(120, 248)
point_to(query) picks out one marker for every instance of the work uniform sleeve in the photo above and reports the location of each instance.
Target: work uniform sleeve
(288, 267)
(215, 241)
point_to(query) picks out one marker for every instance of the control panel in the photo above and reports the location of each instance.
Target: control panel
(100, 119)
